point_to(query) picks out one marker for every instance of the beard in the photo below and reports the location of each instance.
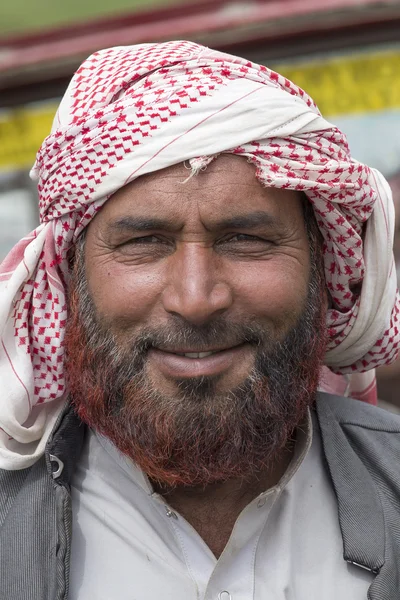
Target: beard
(199, 435)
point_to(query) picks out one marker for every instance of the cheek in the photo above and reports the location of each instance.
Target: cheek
(274, 289)
(121, 292)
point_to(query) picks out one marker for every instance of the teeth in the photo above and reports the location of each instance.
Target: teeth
(197, 354)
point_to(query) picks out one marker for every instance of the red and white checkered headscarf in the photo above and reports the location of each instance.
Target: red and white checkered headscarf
(133, 110)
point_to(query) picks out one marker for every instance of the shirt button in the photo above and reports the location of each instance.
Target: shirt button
(170, 513)
(224, 595)
(261, 502)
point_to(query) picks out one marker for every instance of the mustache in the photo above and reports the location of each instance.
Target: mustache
(217, 334)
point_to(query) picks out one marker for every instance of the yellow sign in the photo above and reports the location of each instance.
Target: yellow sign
(22, 131)
(341, 85)
(345, 86)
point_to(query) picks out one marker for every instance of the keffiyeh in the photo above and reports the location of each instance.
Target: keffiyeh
(137, 109)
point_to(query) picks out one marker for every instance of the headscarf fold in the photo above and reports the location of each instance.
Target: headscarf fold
(137, 109)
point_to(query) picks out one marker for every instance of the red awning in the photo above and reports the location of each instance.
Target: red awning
(218, 23)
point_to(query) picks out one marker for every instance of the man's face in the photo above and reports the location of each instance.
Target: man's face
(192, 317)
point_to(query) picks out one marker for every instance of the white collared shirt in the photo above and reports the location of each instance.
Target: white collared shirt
(128, 544)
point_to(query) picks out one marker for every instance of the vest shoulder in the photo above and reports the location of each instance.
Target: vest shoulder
(348, 411)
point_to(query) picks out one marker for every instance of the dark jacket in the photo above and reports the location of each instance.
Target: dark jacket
(361, 444)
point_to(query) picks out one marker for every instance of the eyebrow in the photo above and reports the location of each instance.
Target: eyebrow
(246, 221)
(250, 221)
(132, 224)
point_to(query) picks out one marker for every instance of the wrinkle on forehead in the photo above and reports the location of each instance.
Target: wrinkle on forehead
(228, 164)
(227, 188)
(224, 172)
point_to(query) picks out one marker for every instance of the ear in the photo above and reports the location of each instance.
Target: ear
(328, 303)
(70, 258)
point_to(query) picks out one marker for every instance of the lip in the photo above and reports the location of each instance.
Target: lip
(180, 367)
(192, 350)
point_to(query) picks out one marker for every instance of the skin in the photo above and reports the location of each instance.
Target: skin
(196, 266)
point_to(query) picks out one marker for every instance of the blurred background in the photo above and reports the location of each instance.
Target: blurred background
(344, 53)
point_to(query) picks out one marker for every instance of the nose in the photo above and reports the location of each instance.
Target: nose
(197, 288)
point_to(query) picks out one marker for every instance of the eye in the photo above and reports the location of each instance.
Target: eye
(145, 239)
(244, 246)
(145, 247)
(243, 237)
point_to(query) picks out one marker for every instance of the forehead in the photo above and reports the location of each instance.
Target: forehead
(226, 188)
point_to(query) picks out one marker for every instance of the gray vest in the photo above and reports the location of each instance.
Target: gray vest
(361, 444)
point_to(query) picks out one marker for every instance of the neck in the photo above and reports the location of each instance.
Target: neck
(213, 509)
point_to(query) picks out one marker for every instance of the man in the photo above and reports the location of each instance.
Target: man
(206, 245)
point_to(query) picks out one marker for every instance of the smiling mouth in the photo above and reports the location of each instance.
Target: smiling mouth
(195, 354)
(181, 364)
(203, 354)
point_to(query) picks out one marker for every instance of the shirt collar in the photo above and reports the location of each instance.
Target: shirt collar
(304, 435)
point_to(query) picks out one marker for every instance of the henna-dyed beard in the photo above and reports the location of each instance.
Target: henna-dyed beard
(198, 436)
